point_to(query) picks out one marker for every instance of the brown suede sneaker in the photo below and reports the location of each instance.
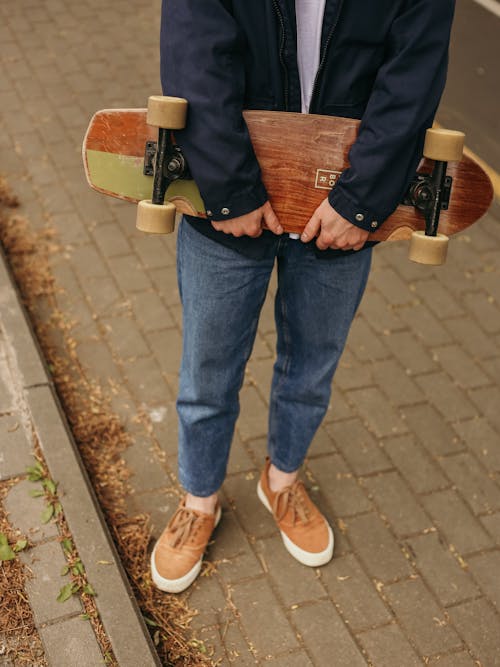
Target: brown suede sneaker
(177, 555)
(304, 530)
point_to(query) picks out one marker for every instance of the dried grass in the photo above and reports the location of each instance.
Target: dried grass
(19, 639)
(98, 432)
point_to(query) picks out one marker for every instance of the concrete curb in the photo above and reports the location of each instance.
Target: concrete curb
(115, 601)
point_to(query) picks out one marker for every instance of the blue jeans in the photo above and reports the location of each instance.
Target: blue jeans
(222, 292)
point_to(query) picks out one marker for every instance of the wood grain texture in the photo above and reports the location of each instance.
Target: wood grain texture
(294, 152)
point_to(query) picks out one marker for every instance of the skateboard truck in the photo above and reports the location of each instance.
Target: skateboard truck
(431, 194)
(167, 114)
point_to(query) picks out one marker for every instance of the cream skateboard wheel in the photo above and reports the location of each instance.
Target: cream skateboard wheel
(167, 112)
(444, 145)
(431, 250)
(155, 218)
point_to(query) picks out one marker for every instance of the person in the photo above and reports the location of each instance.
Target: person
(383, 62)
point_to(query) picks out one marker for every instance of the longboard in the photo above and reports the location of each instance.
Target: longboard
(301, 157)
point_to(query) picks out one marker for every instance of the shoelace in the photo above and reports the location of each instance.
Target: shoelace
(181, 526)
(291, 497)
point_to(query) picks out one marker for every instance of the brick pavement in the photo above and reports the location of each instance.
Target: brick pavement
(407, 461)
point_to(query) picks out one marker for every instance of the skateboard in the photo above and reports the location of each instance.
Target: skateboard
(132, 154)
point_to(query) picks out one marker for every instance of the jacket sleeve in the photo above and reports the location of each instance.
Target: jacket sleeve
(401, 107)
(201, 60)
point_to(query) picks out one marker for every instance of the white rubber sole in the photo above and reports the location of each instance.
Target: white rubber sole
(180, 584)
(309, 558)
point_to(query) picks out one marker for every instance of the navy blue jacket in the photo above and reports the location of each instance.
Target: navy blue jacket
(382, 61)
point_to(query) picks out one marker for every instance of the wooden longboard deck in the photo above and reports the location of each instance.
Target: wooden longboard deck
(300, 156)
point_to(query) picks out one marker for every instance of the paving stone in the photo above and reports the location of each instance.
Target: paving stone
(227, 644)
(364, 343)
(295, 583)
(25, 512)
(239, 458)
(87, 263)
(470, 337)
(145, 379)
(397, 504)
(206, 597)
(429, 629)
(484, 311)
(262, 617)
(338, 408)
(16, 453)
(395, 383)
(376, 411)
(388, 646)
(325, 635)
(492, 525)
(110, 239)
(46, 562)
(424, 324)
(462, 369)
(392, 287)
(492, 366)
(479, 625)
(151, 253)
(338, 485)
(450, 582)
(322, 442)
(241, 492)
(377, 549)
(432, 429)
(165, 281)
(159, 505)
(6, 396)
(487, 401)
(461, 659)
(450, 400)
(485, 569)
(455, 520)
(98, 362)
(415, 464)
(354, 594)
(125, 338)
(482, 494)
(261, 351)
(362, 451)
(382, 317)
(144, 305)
(129, 274)
(352, 373)
(436, 296)
(253, 419)
(292, 660)
(165, 427)
(166, 345)
(70, 228)
(71, 642)
(489, 282)
(147, 470)
(231, 551)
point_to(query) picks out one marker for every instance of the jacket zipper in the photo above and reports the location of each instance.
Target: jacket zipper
(281, 50)
(323, 57)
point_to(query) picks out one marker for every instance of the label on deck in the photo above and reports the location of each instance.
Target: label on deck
(326, 179)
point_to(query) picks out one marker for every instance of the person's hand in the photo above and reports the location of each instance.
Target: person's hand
(334, 230)
(251, 223)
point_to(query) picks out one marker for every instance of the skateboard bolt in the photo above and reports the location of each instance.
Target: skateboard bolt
(360, 217)
(173, 166)
(225, 211)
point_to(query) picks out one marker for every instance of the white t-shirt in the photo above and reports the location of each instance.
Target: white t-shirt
(310, 15)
